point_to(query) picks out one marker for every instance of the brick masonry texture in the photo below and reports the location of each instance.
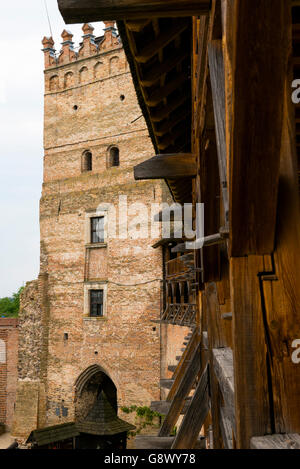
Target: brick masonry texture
(90, 105)
(8, 368)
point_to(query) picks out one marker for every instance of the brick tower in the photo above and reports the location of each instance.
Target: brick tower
(85, 324)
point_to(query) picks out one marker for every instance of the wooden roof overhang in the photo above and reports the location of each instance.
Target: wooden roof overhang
(159, 54)
(53, 434)
(159, 51)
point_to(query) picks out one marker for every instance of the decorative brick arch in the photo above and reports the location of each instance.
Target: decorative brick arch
(88, 385)
(83, 75)
(69, 80)
(54, 83)
(87, 374)
(114, 65)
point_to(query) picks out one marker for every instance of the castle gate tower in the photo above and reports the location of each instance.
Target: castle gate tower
(85, 324)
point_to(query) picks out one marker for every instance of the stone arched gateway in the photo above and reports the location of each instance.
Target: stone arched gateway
(88, 386)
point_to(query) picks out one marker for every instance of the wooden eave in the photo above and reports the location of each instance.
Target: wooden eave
(159, 55)
(78, 11)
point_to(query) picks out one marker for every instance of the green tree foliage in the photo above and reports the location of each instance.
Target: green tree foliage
(9, 307)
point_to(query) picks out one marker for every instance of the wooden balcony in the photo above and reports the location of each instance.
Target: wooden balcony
(180, 314)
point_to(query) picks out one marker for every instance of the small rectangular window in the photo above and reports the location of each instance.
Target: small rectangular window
(97, 230)
(96, 303)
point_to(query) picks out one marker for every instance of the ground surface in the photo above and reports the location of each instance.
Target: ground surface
(5, 440)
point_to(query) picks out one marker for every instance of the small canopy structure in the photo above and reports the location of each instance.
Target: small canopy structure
(49, 435)
(102, 420)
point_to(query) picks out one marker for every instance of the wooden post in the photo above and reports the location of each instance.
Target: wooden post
(252, 405)
(183, 390)
(188, 433)
(261, 47)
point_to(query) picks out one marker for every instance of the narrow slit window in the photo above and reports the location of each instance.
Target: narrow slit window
(97, 230)
(96, 303)
(87, 161)
(114, 156)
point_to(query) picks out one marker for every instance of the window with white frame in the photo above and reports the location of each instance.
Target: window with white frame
(95, 295)
(96, 227)
(97, 230)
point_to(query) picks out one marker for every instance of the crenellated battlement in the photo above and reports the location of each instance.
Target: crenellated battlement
(90, 45)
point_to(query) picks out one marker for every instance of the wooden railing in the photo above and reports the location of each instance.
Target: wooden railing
(180, 314)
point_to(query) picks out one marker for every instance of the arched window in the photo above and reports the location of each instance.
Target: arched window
(83, 75)
(69, 81)
(53, 83)
(114, 65)
(99, 70)
(113, 157)
(87, 161)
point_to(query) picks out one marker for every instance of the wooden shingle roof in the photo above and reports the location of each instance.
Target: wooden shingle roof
(45, 436)
(103, 420)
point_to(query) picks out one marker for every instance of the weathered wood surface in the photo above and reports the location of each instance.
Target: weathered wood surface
(166, 383)
(163, 407)
(252, 406)
(166, 166)
(285, 441)
(155, 73)
(80, 11)
(161, 41)
(165, 442)
(216, 339)
(191, 425)
(217, 77)
(153, 442)
(223, 369)
(183, 390)
(226, 429)
(183, 363)
(281, 287)
(261, 40)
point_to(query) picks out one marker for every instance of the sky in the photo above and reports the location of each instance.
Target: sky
(23, 24)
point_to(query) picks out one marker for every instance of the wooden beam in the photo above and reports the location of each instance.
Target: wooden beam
(216, 339)
(159, 95)
(261, 43)
(163, 407)
(286, 441)
(223, 369)
(166, 383)
(226, 429)
(168, 35)
(195, 416)
(210, 240)
(153, 442)
(182, 392)
(84, 11)
(161, 114)
(183, 363)
(217, 78)
(167, 126)
(137, 25)
(155, 73)
(281, 291)
(166, 166)
(252, 393)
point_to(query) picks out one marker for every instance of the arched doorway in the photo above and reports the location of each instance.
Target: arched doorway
(89, 386)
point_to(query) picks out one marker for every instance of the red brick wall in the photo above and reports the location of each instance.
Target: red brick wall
(8, 369)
